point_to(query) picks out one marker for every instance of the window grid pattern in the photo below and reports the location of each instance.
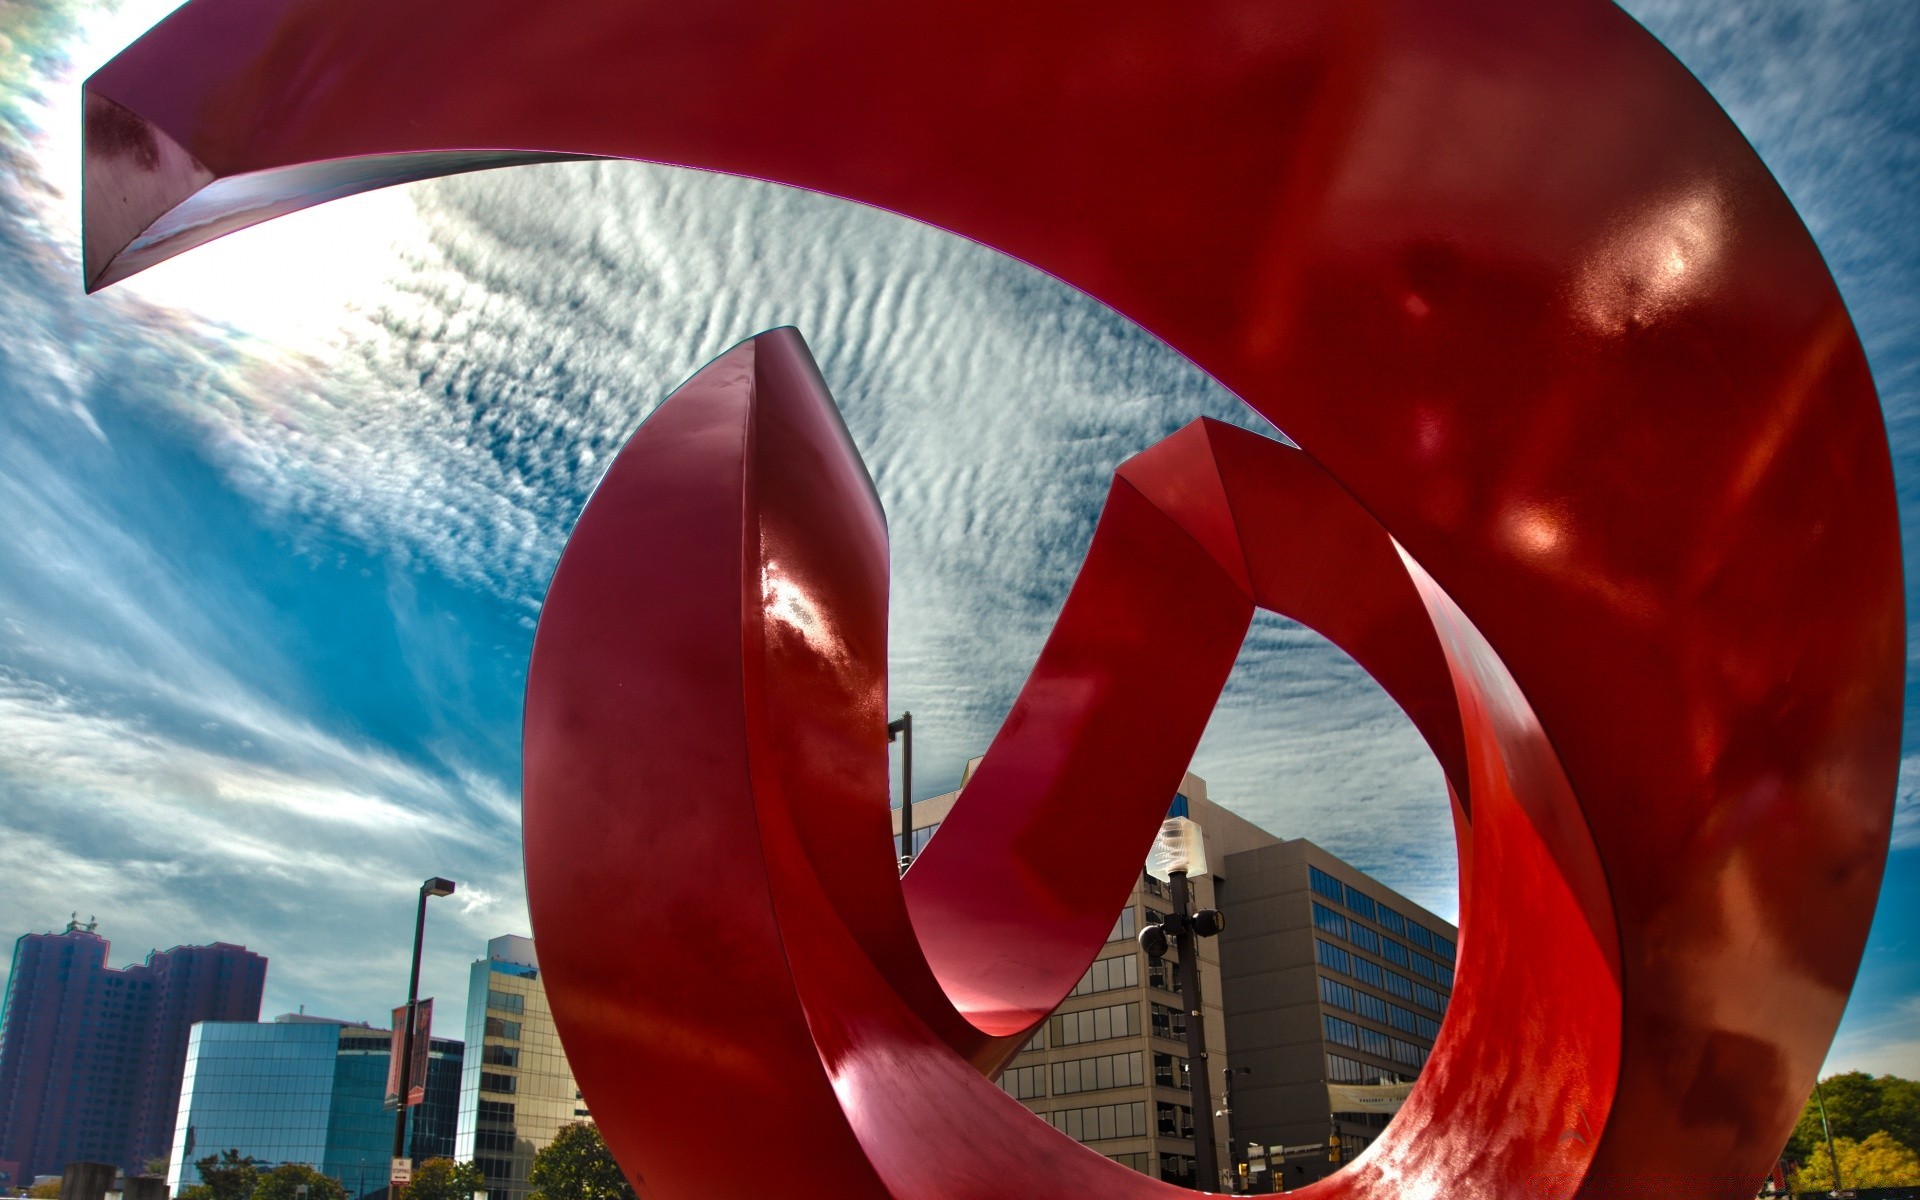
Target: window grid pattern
(1103, 1122)
(1024, 1083)
(1095, 1024)
(1099, 1073)
(1109, 974)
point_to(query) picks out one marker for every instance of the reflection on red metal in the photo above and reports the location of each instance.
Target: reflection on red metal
(1531, 307)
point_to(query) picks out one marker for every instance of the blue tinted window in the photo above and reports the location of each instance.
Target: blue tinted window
(1399, 985)
(1425, 967)
(1361, 903)
(1363, 937)
(1394, 952)
(1419, 935)
(1329, 921)
(1392, 921)
(1326, 885)
(1368, 972)
(1333, 956)
(1344, 1033)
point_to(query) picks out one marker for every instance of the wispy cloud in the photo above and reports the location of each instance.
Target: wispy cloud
(420, 430)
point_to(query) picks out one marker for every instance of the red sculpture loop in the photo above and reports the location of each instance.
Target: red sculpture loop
(1593, 480)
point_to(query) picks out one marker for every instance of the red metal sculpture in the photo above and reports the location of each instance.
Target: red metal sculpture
(1615, 523)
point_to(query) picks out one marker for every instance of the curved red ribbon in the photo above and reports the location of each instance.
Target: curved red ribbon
(1506, 274)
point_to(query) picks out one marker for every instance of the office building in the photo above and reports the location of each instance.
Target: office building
(90, 1056)
(1331, 978)
(1322, 976)
(517, 1090)
(307, 1090)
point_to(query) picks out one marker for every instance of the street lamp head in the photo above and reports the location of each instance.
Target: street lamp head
(437, 887)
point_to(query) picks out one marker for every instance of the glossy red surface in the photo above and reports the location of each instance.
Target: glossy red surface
(1526, 300)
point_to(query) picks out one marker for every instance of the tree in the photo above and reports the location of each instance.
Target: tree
(156, 1167)
(1858, 1106)
(283, 1183)
(577, 1165)
(444, 1179)
(50, 1190)
(1879, 1161)
(224, 1176)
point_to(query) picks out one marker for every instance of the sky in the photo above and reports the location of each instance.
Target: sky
(276, 517)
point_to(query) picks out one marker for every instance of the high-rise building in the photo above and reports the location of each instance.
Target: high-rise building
(1322, 976)
(517, 1090)
(307, 1090)
(90, 1056)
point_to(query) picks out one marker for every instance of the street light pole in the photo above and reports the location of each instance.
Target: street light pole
(432, 887)
(903, 729)
(1206, 1167)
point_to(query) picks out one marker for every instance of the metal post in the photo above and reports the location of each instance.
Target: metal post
(903, 729)
(432, 887)
(406, 1035)
(1832, 1156)
(1206, 1167)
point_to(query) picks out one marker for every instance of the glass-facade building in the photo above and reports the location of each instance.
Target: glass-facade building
(516, 1090)
(305, 1090)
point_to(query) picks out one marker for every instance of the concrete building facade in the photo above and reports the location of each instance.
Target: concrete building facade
(517, 1090)
(1322, 975)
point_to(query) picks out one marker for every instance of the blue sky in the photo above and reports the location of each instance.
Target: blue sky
(275, 518)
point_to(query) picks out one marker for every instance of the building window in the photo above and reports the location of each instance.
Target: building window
(1370, 973)
(1163, 973)
(1392, 921)
(1142, 1163)
(1399, 985)
(1333, 957)
(1109, 974)
(1363, 937)
(1097, 1074)
(512, 1002)
(1024, 1083)
(1170, 1071)
(1342, 1033)
(1038, 1041)
(1125, 926)
(1426, 967)
(1153, 886)
(1341, 1069)
(1326, 885)
(1373, 1042)
(1095, 1024)
(1101, 1123)
(1419, 935)
(495, 1111)
(1395, 953)
(1177, 1168)
(500, 1027)
(1173, 1120)
(1169, 1022)
(500, 1056)
(1444, 948)
(502, 1084)
(1362, 904)
(1328, 921)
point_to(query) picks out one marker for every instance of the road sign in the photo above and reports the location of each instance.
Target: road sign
(402, 1171)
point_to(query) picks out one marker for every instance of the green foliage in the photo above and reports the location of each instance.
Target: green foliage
(156, 1168)
(1859, 1106)
(50, 1190)
(226, 1176)
(578, 1166)
(283, 1183)
(444, 1179)
(1878, 1161)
